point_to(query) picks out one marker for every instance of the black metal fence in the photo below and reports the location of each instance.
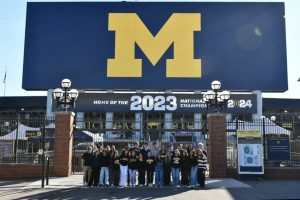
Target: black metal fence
(281, 143)
(21, 139)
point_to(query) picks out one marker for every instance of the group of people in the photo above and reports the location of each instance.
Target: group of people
(153, 167)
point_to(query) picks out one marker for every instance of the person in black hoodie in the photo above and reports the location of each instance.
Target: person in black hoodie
(136, 148)
(132, 167)
(141, 168)
(150, 166)
(185, 168)
(111, 159)
(95, 163)
(116, 169)
(87, 158)
(167, 168)
(175, 167)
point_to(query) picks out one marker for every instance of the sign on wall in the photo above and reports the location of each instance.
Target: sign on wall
(278, 147)
(155, 45)
(250, 152)
(154, 102)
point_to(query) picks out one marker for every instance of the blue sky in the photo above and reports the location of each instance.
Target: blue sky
(12, 34)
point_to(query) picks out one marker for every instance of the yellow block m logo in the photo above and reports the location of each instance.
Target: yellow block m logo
(129, 29)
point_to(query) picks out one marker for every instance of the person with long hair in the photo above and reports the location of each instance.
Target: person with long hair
(185, 168)
(194, 168)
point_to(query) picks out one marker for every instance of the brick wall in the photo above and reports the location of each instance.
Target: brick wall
(16, 171)
(63, 143)
(272, 173)
(217, 145)
(282, 173)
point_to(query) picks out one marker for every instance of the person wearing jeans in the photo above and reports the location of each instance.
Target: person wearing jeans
(175, 167)
(104, 172)
(194, 168)
(159, 171)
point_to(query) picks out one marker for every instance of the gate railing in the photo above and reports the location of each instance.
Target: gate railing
(21, 139)
(271, 130)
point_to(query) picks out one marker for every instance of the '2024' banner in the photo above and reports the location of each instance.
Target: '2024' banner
(155, 102)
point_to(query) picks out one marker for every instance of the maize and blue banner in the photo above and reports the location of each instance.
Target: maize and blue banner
(155, 45)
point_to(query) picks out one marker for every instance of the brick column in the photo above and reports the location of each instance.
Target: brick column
(63, 143)
(217, 145)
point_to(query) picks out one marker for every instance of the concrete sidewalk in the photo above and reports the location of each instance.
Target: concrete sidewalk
(76, 181)
(227, 189)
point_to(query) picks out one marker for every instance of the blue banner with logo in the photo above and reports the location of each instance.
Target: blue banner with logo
(155, 45)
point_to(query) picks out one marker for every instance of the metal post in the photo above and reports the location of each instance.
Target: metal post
(264, 140)
(43, 155)
(73, 156)
(17, 135)
(47, 170)
(141, 125)
(65, 100)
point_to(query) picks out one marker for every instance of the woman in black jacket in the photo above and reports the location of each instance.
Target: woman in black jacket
(185, 168)
(150, 166)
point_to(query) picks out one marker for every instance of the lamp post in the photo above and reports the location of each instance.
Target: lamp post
(65, 97)
(216, 99)
(273, 118)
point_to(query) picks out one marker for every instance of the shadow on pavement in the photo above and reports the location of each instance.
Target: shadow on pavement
(109, 193)
(21, 182)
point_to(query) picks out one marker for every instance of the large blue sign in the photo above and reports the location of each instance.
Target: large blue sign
(155, 45)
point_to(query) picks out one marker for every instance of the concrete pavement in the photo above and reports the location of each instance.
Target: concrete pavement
(71, 188)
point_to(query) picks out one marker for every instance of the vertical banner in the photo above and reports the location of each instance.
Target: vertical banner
(250, 152)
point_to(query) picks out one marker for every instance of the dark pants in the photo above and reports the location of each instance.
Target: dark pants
(111, 175)
(94, 176)
(116, 177)
(141, 177)
(150, 174)
(201, 177)
(184, 177)
(87, 170)
(167, 175)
